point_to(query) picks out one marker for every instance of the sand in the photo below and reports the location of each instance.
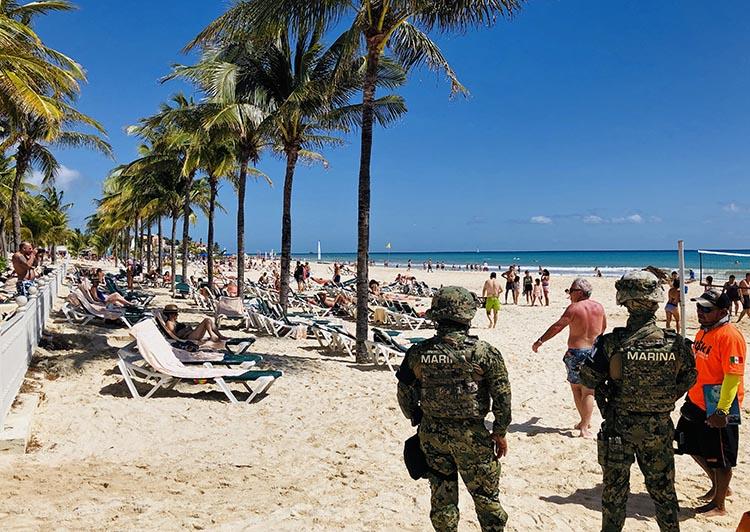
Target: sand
(322, 451)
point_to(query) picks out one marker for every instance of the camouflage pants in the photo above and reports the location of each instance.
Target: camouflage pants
(463, 447)
(648, 439)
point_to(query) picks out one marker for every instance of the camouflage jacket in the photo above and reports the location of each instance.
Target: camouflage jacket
(480, 375)
(639, 369)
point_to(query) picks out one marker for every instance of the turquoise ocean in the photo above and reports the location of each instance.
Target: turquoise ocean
(610, 263)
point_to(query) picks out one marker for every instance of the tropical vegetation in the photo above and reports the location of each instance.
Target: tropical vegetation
(272, 78)
(38, 90)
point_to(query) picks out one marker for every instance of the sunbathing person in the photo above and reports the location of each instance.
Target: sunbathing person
(341, 300)
(186, 332)
(109, 299)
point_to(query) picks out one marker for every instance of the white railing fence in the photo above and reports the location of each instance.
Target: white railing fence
(19, 336)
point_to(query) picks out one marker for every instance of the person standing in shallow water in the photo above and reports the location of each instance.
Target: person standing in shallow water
(638, 372)
(445, 385)
(586, 320)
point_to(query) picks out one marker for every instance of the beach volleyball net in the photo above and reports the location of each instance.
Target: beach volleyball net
(721, 264)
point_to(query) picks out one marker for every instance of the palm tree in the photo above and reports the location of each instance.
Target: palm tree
(308, 97)
(33, 77)
(402, 26)
(35, 135)
(177, 124)
(240, 110)
(77, 242)
(56, 213)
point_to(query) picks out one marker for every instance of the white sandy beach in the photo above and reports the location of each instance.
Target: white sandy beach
(322, 451)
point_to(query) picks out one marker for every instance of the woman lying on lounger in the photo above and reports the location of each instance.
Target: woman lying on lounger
(109, 299)
(186, 332)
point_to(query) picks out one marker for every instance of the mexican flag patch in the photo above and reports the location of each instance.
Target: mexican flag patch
(734, 360)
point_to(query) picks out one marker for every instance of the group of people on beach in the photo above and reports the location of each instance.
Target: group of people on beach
(534, 290)
(719, 351)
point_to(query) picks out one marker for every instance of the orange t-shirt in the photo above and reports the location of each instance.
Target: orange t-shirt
(718, 352)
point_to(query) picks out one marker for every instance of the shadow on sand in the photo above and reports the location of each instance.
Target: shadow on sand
(640, 506)
(530, 428)
(120, 390)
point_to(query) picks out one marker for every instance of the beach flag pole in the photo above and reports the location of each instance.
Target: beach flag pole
(388, 247)
(318, 250)
(681, 257)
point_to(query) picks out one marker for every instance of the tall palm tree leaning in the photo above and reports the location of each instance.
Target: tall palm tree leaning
(310, 88)
(402, 26)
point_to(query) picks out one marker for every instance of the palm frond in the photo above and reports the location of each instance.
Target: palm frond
(413, 48)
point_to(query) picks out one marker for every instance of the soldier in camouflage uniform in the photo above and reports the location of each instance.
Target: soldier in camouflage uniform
(638, 372)
(450, 379)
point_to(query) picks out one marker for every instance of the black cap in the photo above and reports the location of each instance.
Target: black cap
(713, 298)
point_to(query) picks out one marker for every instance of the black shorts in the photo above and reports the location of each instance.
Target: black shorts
(746, 302)
(527, 288)
(717, 446)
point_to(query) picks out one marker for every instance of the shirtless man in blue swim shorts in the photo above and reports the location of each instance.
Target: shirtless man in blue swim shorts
(585, 320)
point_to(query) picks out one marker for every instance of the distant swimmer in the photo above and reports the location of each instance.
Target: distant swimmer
(492, 290)
(586, 320)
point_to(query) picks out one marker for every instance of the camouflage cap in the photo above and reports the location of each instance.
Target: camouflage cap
(453, 303)
(639, 285)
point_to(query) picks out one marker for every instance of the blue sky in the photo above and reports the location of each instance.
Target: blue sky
(590, 125)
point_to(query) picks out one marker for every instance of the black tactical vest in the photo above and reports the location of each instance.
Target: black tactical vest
(644, 368)
(451, 385)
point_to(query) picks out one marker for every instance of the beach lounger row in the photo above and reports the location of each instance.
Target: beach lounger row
(157, 363)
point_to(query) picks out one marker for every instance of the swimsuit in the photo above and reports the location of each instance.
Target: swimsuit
(527, 287)
(492, 303)
(573, 359)
(733, 292)
(670, 307)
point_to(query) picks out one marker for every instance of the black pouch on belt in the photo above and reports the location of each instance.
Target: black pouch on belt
(414, 458)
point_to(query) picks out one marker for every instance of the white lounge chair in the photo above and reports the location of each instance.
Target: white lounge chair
(166, 369)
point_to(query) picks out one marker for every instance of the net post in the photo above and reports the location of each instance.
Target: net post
(681, 257)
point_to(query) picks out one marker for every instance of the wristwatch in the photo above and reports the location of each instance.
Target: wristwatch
(722, 413)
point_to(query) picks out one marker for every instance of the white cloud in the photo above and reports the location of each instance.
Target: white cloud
(731, 207)
(64, 177)
(635, 219)
(540, 220)
(654, 219)
(593, 219)
(632, 219)
(36, 178)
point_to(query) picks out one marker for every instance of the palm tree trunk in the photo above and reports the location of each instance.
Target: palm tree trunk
(137, 243)
(241, 183)
(286, 225)
(363, 220)
(3, 241)
(173, 251)
(186, 225)
(127, 244)
(148, 248)
(22, 165)
(214, 184)
(159, 245)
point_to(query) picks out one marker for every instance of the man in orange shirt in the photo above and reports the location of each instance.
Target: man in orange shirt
(720, 360)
